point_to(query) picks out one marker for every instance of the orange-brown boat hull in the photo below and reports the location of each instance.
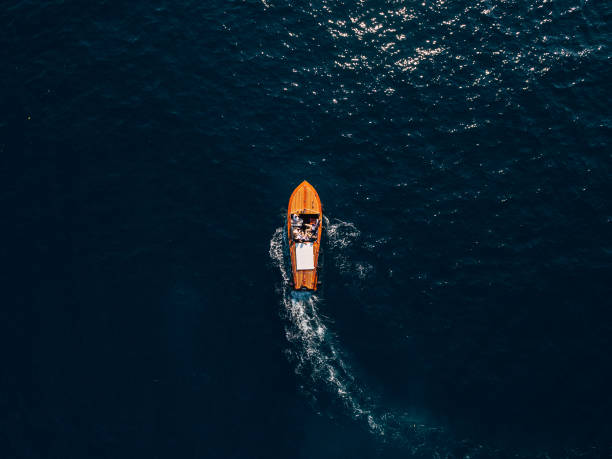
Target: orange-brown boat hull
(305, 197)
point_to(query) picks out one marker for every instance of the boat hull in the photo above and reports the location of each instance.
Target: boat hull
(305, 199)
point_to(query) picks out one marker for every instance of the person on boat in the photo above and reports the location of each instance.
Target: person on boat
(301, 235)
(296, 220)
(311, 230)
(308, 236)
(296, 234)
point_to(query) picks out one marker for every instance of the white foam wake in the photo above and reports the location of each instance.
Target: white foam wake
(316, 355)
(313, 347)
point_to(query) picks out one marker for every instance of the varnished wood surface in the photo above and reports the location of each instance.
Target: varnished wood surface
(305, 197)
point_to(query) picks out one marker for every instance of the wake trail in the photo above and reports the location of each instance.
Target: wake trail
(313, 347)
(318, 359)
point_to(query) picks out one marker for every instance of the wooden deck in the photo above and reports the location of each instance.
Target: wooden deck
(305, 199)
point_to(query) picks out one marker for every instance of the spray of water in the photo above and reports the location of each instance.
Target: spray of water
(313, 347)
(317, 356)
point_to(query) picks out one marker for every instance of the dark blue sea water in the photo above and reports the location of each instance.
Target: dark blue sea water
(462, 154)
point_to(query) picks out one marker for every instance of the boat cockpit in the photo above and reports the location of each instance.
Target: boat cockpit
(305, 226)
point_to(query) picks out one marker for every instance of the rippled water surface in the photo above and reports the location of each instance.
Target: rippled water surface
(462, 154)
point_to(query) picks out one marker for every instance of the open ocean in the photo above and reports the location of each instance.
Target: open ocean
(462, 152)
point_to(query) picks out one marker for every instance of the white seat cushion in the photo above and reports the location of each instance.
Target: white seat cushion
(304, 256)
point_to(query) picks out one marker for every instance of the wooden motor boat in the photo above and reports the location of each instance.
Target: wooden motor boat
(304, 228)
